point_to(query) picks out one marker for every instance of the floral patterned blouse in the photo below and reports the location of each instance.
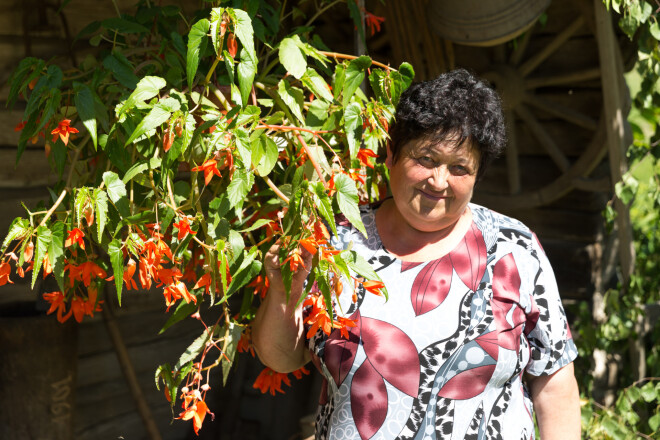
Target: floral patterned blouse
(444, 356)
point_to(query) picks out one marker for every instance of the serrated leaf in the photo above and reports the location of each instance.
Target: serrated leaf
(147, 88)
(340, 77)
(116, 190)
(18, 229)
(193, 350)
(354, 76)
(44, 237)
(248, 269)
(244, 32)
(243, 144)
(121, 70)
(101, 209)
(117, 263)
(315, 82)
(256, 225)
(230, 343)
(124, 26)
(155, 118)
(183, 310)
(197, 41)
(56, 252)
(347, 199)
(239, 187)
(214, 31)
(353, 127)
(324, 205)
(292, 97)
(264, 155)
(246, 71)
(19, 78)
(140, 167)
(292, 57)
(84, 101)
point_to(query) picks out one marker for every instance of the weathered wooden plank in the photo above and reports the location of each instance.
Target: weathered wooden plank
(33, 169)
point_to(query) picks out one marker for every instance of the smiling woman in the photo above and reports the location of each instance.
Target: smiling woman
(473, 332)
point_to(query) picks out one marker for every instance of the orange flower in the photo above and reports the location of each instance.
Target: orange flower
(261, 285)
(373, 22)
(343, 323)
(168, 139)
(75, 236)
(56, 300)
(245, 344)
(63, 130)
(295, 260)
(320, 231)
(146, 272)
(5, 270)
(299, 372)
(327, 253)
(210, 167)
(232, 46)
(20, 126)
(29, 251)
(271, 381)
(176, 291)
(373, 286)
(89, 270)
(184, 228)
(318, 316)
(309, 244)
(363, 156)
(204, 281)
(48, 268)
(195, 409)
(128, 274)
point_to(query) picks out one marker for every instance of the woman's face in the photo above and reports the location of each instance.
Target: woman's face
(432, 183)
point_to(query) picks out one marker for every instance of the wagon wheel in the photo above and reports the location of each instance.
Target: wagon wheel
(518, 75)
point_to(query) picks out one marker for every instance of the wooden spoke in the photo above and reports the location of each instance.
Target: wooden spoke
(563, 112)
(512, 163)
(563, 80)
(532, 63)
(543, 137)
(521, 47)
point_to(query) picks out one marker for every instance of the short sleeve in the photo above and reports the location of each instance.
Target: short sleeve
(551, 344)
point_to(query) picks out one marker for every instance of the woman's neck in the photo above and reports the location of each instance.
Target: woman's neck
(407, 243)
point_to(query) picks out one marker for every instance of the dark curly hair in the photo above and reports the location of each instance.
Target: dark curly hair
(455, 107)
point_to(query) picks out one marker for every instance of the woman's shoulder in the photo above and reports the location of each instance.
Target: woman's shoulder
(487, 218)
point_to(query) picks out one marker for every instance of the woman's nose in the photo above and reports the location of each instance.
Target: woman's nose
(439, 177)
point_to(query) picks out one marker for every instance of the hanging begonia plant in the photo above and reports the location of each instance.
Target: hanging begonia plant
(184, 150)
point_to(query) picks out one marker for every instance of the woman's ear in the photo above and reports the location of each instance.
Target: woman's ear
(388, 158)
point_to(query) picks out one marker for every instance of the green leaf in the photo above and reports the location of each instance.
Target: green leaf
(141, 167)
(648, 392)
(183, 310)
(340, 77)
(245, 33)
(231, 338)
(407, 74)
(117, 192)
(117, 262)
(324, 287)
(292, 57)
(362, 267)
(654, 28)
(121, 69)
(239, 187)
(18, 229)
(101, 209)
(347, 199)
(324, 204)
(214, 29)
(196, 45)
(56, 252)
(654, 421)
(155, 118)
(353, 127)
(147, 88)
(247, 70)
(44, 237)
(193, 350)
(243, 145)
(293, 98)
(354, 76)
(20, 77)
(264, 154)
(248, 269)
(355, 14)
(315, 82)
(84, 101)
(123, 26)
(256, 225)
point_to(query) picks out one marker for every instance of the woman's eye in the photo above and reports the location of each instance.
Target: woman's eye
(426, 161)
(459, 170)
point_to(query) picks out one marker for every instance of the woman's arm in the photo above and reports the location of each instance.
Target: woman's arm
(277, 330)
(556, 404)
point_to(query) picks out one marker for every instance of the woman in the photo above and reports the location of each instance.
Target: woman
(473, 332)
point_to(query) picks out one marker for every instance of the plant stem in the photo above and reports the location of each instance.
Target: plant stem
(53, 208)
(275, 189)
(317, 167)
(321, 11)
(352, 57)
